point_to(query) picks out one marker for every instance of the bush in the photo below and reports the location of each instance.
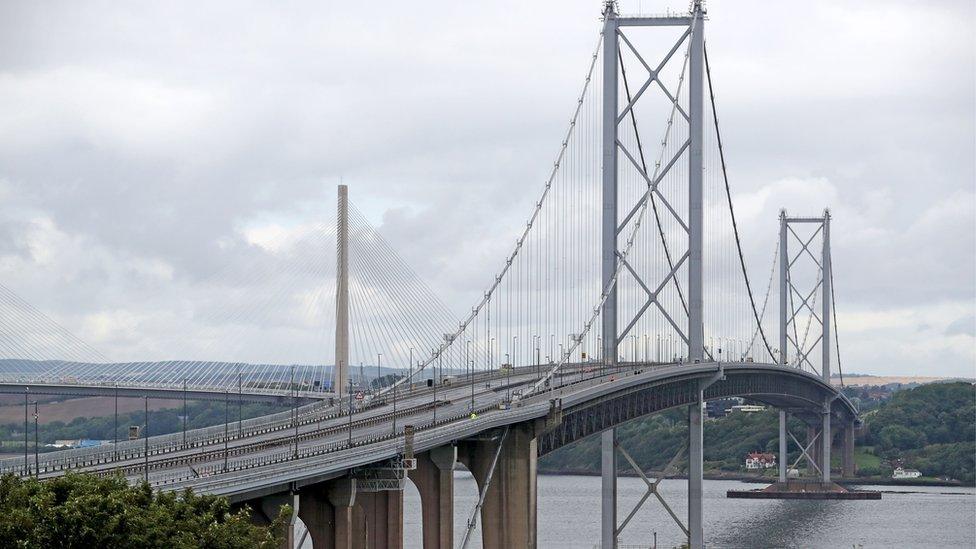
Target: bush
(78, 510)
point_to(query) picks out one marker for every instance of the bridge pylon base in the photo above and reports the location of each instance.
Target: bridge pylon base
(508, 517)
(434, 479)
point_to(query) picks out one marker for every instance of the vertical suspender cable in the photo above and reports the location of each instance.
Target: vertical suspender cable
(728, 195)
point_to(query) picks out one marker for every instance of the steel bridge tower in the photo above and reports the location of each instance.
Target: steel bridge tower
(792, 302)
(694, 337)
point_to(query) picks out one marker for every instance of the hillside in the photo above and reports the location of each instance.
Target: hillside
(931, 428)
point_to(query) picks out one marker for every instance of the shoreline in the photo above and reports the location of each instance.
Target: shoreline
(757, 479)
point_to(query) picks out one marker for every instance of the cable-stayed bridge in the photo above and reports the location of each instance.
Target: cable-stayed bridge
(625, 293)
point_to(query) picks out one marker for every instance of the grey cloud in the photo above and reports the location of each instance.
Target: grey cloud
(153, 135)
(962, 326)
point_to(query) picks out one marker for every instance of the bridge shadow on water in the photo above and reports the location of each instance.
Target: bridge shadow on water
(775, 524)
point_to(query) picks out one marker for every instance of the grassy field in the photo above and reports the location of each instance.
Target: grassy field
(863, 458)
(68, 410)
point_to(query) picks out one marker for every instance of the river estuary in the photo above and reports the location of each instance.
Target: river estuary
(569, 516)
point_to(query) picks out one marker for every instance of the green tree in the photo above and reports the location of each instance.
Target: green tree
(83, 511)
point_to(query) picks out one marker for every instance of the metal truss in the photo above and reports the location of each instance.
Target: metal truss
(651, 488)
(661, 168)
(805, 452)
(390, 475)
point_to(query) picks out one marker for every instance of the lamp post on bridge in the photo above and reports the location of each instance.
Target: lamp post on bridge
(410, 379)
(538, 365)
(226, 431)
(379, 357)
(434, 384)
(145, 439)
(472, 389)
(508, 368)
(115, 435)
(37, 462)
(511, 366)
(26, 445)
(184, 410)
(240, 402)
(470, 365)
(350, 412)
(491, 358)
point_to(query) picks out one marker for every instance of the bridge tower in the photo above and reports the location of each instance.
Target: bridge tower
(341, 369)
(792, 303)
(611, 227)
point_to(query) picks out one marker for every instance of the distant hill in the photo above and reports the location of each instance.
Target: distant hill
(931, 428)
(870, 379)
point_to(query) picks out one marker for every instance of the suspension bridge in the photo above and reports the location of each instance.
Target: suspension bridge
(626, 293)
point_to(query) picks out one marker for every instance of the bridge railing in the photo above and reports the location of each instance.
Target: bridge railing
(172, 442)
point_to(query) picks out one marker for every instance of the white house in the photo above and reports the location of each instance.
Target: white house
(906, 473)
(758, 460)
(747, 408)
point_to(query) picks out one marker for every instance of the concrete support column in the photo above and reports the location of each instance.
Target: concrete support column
(342, 496)
(508, 517)
(696, 531)
(608, 489)
(434, 478)
(327, 511)
(826, 438)
(783, 453)
(266, 510)
(379, 520)
(847, 463)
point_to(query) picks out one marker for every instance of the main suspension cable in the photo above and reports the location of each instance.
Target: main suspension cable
(728, 195)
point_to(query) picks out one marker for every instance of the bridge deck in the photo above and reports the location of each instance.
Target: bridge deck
(263, 460)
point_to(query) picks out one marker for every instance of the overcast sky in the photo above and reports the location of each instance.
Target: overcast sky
(144, 146)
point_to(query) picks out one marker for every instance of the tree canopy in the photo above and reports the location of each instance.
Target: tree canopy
(84, 511)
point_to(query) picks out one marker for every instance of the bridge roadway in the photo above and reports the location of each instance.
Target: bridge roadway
(259, 459)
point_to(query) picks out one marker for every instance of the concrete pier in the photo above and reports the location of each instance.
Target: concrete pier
(434, 478)
(327, 511)
(848, 467)
(508, 518)
(378, 518)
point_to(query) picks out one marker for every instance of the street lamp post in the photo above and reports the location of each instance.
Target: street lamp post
(226, 420)
(394, 405)
(538, 362)
(350, 411)
(512, 366)
(240, 402)
(470, 366)
(508, 368)
(491, 353)
(434, 383)
(37, 464)
(26, 446)
(184, 409)
(145, 438)
(472, 387)
(115, 436)
(294, 405)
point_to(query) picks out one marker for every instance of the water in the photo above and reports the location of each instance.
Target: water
(569, 516)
